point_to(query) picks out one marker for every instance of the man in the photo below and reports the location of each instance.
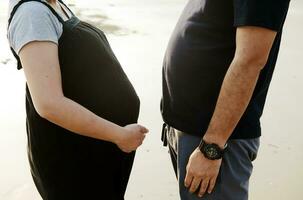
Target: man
(217, 71)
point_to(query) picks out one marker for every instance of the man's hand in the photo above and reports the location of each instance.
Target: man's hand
(201, 173)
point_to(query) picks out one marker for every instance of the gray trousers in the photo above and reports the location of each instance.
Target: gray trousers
(235, 171)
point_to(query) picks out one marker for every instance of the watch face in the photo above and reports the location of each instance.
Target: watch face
(212, 152)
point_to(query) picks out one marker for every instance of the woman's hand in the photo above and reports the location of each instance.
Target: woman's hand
(131, 137)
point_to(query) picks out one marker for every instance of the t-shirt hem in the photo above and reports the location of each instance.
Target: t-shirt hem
(23, 44)
(238, 133)
(242, 22)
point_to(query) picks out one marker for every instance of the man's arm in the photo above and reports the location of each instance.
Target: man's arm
(252, 51)
(253, 45)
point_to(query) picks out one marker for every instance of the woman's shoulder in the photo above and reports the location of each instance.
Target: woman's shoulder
(30, 9)
(33, 21)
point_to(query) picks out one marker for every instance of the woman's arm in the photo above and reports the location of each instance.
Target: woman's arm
(42, 70)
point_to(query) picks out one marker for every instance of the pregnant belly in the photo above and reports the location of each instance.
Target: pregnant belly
(109, 94)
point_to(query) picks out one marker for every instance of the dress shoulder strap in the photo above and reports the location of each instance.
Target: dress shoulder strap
(66, 7)
(24, 1)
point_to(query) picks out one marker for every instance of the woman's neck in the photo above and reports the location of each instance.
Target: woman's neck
(52, 1)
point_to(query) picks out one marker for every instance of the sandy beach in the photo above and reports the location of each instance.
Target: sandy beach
(138, 32)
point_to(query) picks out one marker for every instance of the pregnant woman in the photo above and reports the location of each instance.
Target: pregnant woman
(81, 108)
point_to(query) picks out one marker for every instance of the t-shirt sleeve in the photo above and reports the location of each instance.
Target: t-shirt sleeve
(269, 14)
(33, 21)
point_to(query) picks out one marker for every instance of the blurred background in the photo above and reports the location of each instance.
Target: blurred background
(138, 31)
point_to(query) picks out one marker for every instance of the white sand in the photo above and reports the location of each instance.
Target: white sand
(278, 169)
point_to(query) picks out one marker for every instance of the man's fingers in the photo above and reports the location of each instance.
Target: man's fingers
(195, 184)
(203, 187)
(188, 179)
(212, 184)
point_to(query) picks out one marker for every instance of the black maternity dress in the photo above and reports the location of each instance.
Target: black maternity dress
(66, 165)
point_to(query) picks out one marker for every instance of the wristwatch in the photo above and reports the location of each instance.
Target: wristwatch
(211, 151)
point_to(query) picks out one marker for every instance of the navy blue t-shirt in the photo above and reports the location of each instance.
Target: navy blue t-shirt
(199, 54)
